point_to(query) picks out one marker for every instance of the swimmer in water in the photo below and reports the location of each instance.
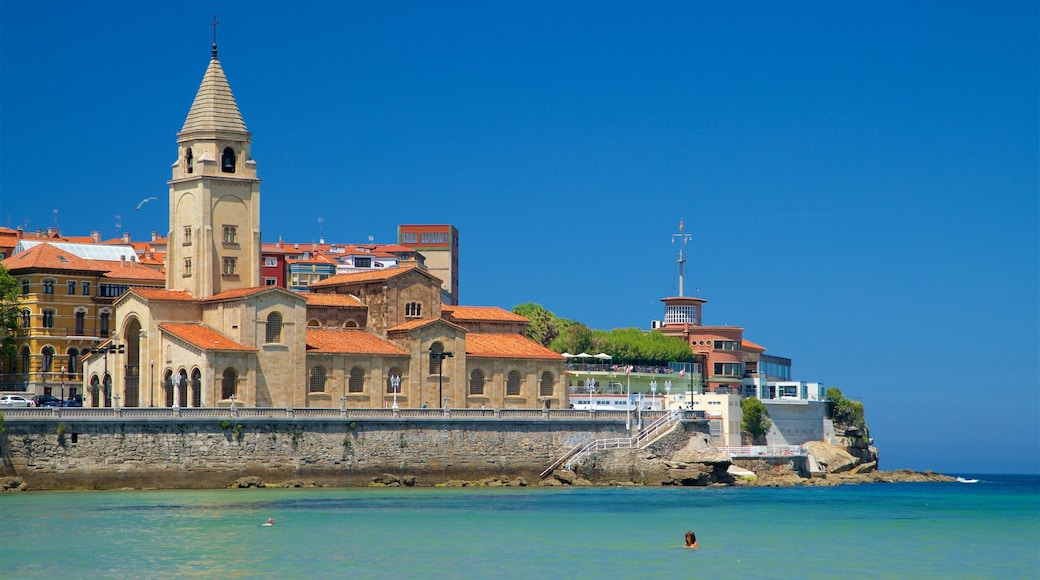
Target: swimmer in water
(269, 522)
(691, 540)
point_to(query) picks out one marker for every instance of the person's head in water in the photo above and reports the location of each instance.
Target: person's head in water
(691, 539)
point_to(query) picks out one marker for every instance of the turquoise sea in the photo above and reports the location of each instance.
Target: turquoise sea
(987, 530)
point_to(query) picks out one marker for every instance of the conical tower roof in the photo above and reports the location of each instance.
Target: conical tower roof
(214, 108)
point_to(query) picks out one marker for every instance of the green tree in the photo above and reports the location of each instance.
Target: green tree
(9, 296)
(845, 412)
(755, 422)
(544, 326)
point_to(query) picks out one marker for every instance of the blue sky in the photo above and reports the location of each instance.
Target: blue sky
(861, 180)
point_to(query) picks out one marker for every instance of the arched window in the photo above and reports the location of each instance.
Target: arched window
(182, 388)
(317, 380)
(435, 361)
(48, 286)
(26, 318)
(513, 384)
(227, 383)
(73, 364)
(476, 382)
(168, 387)
(189, 160)
(356, 384)
(48, 359)
(313, 324)
(196, 388)
(274, 327)
(48, 318)
(227, 160)
(25, 359)
(81, 322)
(545, 388)
(394, 372)
(350, 324)
(94, 388)
(413, 309)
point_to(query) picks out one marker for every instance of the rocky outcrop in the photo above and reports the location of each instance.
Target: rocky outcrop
(829, 458)
(391, 480)
(500, 481)
(12, 484)
(248, 482)
(790, 479)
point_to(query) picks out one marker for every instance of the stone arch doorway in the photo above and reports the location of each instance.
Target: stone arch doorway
(132, 376)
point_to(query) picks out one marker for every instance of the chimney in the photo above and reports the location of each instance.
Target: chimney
(126, 237)
(155, 236)
(95, 237)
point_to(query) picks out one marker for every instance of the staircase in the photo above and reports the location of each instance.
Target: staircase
(639, 441)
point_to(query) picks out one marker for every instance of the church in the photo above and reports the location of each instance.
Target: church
(214, 336)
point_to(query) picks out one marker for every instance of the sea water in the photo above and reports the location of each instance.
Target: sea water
(917, 530)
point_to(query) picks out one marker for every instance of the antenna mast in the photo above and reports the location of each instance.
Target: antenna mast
(683, 238)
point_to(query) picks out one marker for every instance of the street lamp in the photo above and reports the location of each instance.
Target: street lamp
(653, 392)
(151, 383)
(62, 383)
(440, 355)
(590, 384)
(395, 382)
(106, 381)
(668, 394)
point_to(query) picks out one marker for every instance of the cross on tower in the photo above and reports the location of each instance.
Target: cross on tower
(215, 23)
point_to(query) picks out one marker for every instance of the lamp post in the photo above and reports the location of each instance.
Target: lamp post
(668, 394)
(653, 392)
(106, 381)
(395, 382)
(62, 383)
(628, 398)
(151, 383)
(590, 384)
(440, 355)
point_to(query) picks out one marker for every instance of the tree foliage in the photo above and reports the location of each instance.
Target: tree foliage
(845, 412)
(9, 296)
(755, 422)
(625, 345)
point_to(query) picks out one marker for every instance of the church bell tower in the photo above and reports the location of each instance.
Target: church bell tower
(214, 240)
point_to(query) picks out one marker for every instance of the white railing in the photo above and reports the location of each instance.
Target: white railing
(639, 440)
(765, 450)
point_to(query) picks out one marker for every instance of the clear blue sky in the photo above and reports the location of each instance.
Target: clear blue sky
(861, 180)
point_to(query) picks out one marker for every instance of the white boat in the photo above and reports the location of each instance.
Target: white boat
(965, 480)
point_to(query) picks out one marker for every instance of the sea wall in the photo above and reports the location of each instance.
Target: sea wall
(68, 452)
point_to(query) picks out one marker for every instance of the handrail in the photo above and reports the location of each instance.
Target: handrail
(639, 440)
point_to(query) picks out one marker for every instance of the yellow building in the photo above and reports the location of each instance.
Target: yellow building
(65, 310)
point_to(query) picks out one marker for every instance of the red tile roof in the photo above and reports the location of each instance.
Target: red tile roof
(204, 337)
(238, 293)
(507, 346)
(349, 342)
(373, 276)
(47, 257)
(316, 299)
(420, 322)
(163, 294)
(130, 270)
(493, 313)
(748, 345)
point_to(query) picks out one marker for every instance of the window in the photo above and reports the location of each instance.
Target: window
(73, 364)
(227, 383)
(274, 328)
(187, 235)
(409, 238)
(435, 237)
(25, 287)
(48, 286)
(196, 388)
(270, 262)
(729, 369)
(476, 382)
(72, 287)
(270, 281)
(230, 267)
(356, 384)
(103, 329)
(189, 160)
(435, 361)
(26, 319)
(25, 359)
(187, 266)
(48, 359)
(230, 234)
(362, 262)
(48, 319)
(413, 309)
(227, 161)
(545, 388)
(727, 345)
(513, 384)
(81, 318)
(86, 288)
(317, 380)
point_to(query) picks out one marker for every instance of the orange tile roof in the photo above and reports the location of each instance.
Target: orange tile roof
(748, 345)
(130, 270)
(163, 294)
(420, 322)
(47, 257)
(493, 313)
(238, 293)
(315, 299)
(317, 258)
(373, 276)
(507, 346)
(204, 337)
(349, 342)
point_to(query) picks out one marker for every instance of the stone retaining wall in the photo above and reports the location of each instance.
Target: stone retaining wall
(208, 453)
